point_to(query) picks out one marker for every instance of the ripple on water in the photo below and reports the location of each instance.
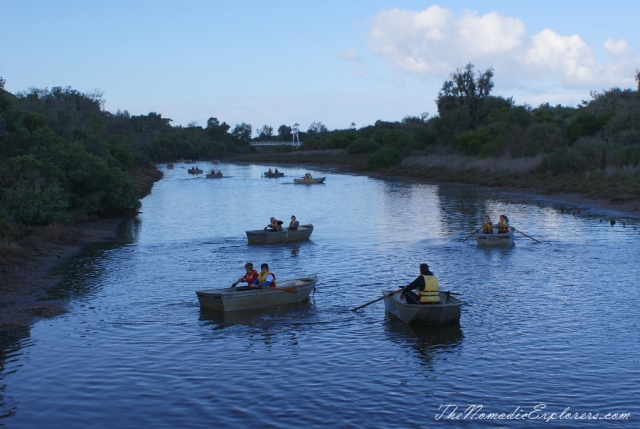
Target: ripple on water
(554, 323)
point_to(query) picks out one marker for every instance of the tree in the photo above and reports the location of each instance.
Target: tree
(465, 90)
(153, 123)
(265, 133)
(242, 131)
(284, 133)
(317, 128)
(637, 79)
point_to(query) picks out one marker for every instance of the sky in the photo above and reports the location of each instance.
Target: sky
(336, 62)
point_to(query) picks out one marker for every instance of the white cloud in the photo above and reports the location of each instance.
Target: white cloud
(434, 42)
(353, 57)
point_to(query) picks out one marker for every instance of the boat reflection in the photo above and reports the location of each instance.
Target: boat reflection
(429, 342)
(259, 317)
(295, 250)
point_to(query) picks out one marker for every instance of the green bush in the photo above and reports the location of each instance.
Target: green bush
(629, 155)
(34, 205)
(586, 124)
(494, 148)
(562, 161)
(470, 142)
(341, 139)
(399, 140)
(363, 145)
(385, 157)
(121, 154)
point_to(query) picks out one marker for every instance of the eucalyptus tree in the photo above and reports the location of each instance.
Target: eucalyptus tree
(242, 131)
(466, 91)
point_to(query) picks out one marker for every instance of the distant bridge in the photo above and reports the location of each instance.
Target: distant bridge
(271, 143)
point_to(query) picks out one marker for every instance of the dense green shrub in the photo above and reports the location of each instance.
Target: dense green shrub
(470, 142)
(399, 140)
(363, 145)
(561, 161)
(493, 148)
(385, 157)
(340, 139)
(34, 205)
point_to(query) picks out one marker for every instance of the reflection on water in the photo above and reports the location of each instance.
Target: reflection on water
(429, 342)
(261, 317)
(136, 350)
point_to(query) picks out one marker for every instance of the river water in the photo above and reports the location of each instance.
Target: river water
(546, 328)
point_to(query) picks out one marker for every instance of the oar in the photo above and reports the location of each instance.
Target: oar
(377, 299)
(526, 235)
(233, 286)
(471, 234)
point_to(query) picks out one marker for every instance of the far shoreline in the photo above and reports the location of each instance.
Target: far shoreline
(596, 206)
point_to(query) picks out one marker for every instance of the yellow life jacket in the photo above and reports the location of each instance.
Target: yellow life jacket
(291, 224)
(487, 228)
(503, 227)
(276, 226)
(430, 291)
(262, 277)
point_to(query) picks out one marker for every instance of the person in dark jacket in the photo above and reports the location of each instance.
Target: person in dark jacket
(426, 286)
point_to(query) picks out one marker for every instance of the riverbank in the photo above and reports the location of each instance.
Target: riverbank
(26, 261)
(605, 192)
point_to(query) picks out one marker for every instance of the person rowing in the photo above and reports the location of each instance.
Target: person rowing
(426, 284)
(265, 278)
(275, 225)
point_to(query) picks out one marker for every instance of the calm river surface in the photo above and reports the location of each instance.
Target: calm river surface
(545, 327)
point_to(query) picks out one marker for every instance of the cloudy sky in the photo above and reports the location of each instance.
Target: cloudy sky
(284, 62)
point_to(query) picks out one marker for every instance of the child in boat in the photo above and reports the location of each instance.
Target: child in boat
(294, 224)
(275, 225)
(503, 225)
(250, 276)
(487, 227)
(265, 278)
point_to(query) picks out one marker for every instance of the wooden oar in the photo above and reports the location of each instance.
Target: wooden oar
(526, 235)
(471, 234)
(377, 299)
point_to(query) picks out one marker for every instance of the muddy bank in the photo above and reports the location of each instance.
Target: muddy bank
(26, 262)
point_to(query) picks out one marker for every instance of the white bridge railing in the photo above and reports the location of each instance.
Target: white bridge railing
(275, 143)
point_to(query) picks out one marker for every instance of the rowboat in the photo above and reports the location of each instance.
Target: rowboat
(260, 236)
(271, 175)
(244, 298)
(447, 311)
(195, 171)
(494, 239)
(214, 176)
(309, 181)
